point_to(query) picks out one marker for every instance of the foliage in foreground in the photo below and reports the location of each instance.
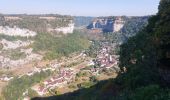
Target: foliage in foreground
(16, 87)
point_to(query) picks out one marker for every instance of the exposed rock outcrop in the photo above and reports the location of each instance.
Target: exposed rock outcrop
(108, 24)
(38, 23)
(63, 30)
(6, 30)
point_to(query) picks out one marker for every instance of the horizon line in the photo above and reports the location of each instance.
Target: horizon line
(72, 15)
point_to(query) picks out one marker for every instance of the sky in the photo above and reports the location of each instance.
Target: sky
(81, 7)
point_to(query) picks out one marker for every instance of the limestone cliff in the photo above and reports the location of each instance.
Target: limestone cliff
(107, 24)
(121, 24)
(39, 23)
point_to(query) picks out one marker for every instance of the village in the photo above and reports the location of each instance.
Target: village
(66, 68)
(65, 74)
(65, 71)
(105, 59)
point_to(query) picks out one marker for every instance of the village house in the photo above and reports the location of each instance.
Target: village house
(64, 76)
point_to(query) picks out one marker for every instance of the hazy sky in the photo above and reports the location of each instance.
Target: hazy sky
(81, 7)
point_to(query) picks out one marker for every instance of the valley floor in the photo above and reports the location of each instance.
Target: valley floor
(68, 73)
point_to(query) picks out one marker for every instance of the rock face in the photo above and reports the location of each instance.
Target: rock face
(38, 23)
(118, 24)
(6, 62)
(63, 30)
(16, 32)
(107, 24)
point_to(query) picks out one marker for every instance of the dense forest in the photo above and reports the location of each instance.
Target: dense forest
(56, 47)
(133, 25)
(144, 63)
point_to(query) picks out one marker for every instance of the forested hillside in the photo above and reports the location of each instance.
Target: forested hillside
(144, 63)
(133, 25)
(56, 47)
